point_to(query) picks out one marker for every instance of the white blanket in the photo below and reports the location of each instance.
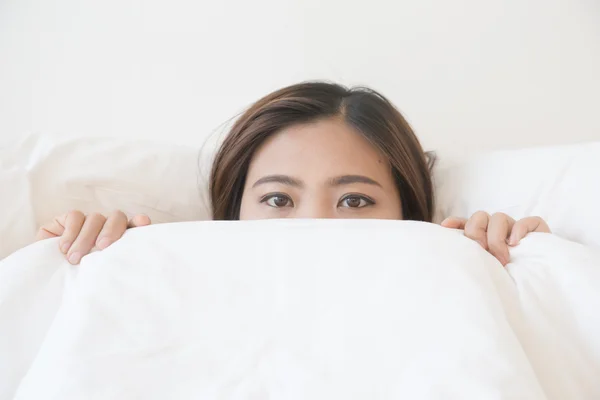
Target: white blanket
(301, 310)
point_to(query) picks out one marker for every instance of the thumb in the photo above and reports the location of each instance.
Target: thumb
(454, 223)
(139, 220)
(53, 229)
(527, 225)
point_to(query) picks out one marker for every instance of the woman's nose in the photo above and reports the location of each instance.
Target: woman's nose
(316, 210)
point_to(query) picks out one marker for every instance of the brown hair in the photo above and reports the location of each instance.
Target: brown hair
(364, 109)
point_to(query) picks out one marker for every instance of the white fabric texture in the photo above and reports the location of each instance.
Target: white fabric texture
(45, 176)
(559, 184)
(301, 310)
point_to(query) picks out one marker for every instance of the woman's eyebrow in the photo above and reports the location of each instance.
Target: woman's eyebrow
(283, 179)
(348, 179)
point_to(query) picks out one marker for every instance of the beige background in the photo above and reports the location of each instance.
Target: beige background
(470, 75)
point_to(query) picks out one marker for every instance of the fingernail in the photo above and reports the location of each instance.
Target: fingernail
(513, 241)
(103, 243)
(64, 247)
(74, 258)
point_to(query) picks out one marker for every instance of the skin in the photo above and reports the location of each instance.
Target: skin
(79, 233)
(319, 170)
(322, 169)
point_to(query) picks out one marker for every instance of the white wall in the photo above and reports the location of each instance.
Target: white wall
(469, 74)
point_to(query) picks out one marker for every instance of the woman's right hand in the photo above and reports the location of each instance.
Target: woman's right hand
(80, 233)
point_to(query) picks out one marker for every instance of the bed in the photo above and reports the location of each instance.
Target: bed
(301, 309)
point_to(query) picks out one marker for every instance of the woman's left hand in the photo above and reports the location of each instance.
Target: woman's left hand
(496, 232)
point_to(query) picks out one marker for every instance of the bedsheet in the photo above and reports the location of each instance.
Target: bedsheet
(298, 310)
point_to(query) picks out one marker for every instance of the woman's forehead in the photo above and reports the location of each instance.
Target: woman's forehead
(327, 147)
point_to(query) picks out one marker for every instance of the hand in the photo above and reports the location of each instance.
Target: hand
(79, 233)
(495, 233)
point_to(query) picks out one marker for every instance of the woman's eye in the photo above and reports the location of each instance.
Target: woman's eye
(354, 201)
(277, 201)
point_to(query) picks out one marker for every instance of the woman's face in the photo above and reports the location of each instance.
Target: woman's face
(323, 169)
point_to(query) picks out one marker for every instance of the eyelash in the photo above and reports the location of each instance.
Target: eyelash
(366, 199)
(270, 196)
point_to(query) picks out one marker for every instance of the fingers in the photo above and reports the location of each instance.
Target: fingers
(113, 229)
(87, 238)
(73, 221)
(525, 226)
(51, 230)
(454, 223)
(139, 220)
(495, 233)
(476, 228)
(499, 228)
(78, 233)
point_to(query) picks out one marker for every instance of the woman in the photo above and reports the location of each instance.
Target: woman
(313, 150)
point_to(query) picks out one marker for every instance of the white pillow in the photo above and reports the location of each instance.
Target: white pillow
(560, 184)
(44, 176)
